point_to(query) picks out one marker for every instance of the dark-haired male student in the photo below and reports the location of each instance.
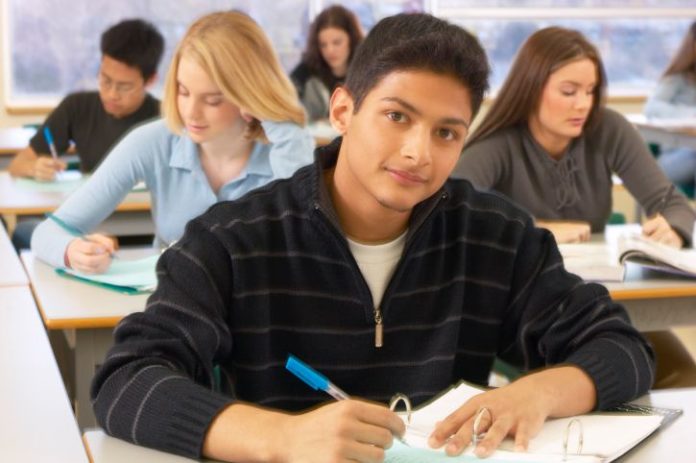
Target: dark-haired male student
(378, 271)
(95, 120)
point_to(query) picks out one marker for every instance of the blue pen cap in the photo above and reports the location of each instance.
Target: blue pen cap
(306, 373)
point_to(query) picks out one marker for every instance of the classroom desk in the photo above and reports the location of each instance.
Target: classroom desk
(38, 423)
(89, 310)
(103, 448)
(134, 210)
(13, 139)
(666, 132)
(655, 300)
(675, 444)
(11, 270)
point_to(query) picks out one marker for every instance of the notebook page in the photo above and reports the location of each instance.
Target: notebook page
(401, 453)
(138, 273)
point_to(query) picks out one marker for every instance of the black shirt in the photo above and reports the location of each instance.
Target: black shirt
(81, 118)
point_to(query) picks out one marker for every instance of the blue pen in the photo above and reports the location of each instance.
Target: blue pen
(51, 145)
(313, 378)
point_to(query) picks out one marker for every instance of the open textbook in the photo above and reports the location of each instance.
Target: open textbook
(604, 262)
(605, 435)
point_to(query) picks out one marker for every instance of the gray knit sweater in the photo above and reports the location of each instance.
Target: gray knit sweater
(579, 186)
(254, 280)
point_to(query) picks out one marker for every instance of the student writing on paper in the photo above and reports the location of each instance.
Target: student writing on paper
(94, 121)
(378, 271)
(333, 37)
(675, 97)
(549, 143)
(232, 122)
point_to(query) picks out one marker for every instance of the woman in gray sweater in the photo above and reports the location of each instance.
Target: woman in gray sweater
(550, 145)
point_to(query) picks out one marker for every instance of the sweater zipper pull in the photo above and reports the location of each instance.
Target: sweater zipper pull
(379, 333)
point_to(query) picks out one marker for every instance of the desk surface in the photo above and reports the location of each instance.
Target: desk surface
(20, 201)
(38, 423)
(13, 139)
(11, 270)
(683, 126)
(642, 283)
(66, 303)
(675, 443)
(654, 300)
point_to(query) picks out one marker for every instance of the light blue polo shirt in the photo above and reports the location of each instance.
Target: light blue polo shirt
(170, 166)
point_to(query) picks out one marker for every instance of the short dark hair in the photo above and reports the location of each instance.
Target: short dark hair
(418, 41)
(136, 43)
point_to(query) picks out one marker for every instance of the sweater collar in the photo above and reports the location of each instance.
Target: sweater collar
(326, 157)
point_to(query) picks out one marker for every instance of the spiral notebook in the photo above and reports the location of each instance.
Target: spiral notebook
(606, 435)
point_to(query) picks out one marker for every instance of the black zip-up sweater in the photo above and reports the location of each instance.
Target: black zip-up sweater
(270, 274)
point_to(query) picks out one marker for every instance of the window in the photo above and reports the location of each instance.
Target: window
(635, 48)
(51, 50)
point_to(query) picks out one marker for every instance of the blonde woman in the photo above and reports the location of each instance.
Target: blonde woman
(232, 122)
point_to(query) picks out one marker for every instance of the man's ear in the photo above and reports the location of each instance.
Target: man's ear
(341, 110)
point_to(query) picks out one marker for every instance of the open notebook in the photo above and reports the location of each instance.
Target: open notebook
(133, 276)
(606, 435)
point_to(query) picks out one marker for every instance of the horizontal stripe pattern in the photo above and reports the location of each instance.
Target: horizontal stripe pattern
(254, 280)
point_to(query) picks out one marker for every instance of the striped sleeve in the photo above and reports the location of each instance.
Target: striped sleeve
(555, 318)
(156, 386)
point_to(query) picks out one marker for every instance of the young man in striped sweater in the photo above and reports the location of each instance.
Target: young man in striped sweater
(380, 272)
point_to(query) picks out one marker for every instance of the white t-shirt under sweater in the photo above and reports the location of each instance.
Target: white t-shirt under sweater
(377, 263)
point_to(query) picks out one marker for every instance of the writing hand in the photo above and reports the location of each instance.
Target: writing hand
(45, 168)
(658, 229)
(347, 430)
(91, 254)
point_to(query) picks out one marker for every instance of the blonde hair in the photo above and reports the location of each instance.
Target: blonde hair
(236, 54)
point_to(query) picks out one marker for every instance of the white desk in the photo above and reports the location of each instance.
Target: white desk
(103, 448)
(90, 310)
(37, 421)
(11, 270)
(667, 132)
(15, 201)
(674, 444)
(654, 300)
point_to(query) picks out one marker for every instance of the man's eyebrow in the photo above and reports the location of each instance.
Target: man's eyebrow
(413, 109)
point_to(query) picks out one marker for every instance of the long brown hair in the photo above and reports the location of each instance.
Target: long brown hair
(543, 53)
(684, 62)
(338, 17)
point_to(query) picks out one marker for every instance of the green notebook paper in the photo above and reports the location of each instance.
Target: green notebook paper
(66, 182)
(126, 276)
